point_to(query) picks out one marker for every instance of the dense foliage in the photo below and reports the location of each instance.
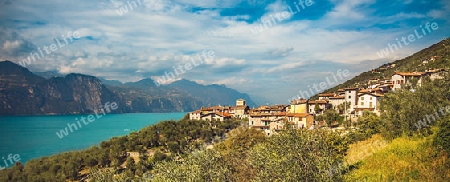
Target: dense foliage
(299, 155)
(442, 137)
(291, 155)
(406, 109)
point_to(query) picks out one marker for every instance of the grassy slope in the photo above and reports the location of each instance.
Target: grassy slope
(402, 159)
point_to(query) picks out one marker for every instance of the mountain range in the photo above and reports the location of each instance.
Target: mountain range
(25, 93)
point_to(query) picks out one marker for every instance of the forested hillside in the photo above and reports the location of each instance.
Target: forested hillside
(437, 56)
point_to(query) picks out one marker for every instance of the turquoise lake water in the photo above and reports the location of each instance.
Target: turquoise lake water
(35, 136)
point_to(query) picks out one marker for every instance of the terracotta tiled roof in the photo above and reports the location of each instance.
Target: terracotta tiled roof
(326, 95)
(364, 91)
(341, 90)
(373, 94)
(297, 114)
(410, 73)
(223, 114)
(318, 102)
(256, 114)
(369, 90)
(351, 88)
(299, 101)
(280, 114)
(277, 107)
(338, 97)
(435, 70)
(241, 107)
(220, 107)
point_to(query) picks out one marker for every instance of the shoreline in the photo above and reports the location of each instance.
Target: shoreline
(56, 114)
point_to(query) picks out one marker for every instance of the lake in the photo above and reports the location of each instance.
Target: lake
(35, 136)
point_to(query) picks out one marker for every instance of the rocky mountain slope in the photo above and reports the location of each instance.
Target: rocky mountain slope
(24, 93)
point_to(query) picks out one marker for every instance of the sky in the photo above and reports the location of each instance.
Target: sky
(270, 49)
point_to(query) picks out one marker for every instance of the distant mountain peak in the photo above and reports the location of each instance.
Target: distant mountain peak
(11, 67)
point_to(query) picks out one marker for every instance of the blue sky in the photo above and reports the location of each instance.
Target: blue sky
(272, 66)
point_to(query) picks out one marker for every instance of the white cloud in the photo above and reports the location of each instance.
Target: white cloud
(154, 37)
(8, 45)
(231, 81)
(347, 9)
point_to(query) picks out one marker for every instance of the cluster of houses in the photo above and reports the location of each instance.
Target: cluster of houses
(221, 113)
(299, 113)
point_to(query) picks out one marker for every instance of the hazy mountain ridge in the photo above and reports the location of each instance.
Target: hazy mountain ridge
(25, 93)
(211, 94)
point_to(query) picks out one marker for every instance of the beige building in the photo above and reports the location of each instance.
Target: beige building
(268, 118)
(221, 112)
(298, 106)
(322, 104)
(400, 78)
(336, 101)
(241, 109)
(326, 96)
(218, 116)
(368, 101)
(437, 73)
(351, 95)
(196, 115)
(300, 120)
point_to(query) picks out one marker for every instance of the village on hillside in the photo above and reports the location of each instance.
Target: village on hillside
(303, 113)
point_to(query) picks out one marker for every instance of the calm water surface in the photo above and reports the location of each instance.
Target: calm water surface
(35, 136)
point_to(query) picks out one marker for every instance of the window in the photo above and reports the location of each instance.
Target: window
(252, 122)
(362, 98)
(370, 105)
(370, 98)
(349, 96)
(362, 103)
